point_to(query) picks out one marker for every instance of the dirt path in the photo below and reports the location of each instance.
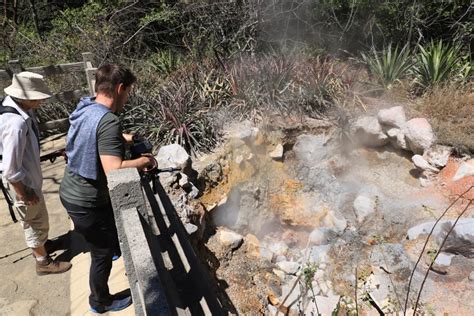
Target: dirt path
(22, 292)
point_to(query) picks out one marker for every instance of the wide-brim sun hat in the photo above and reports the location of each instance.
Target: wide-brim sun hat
(28, 86)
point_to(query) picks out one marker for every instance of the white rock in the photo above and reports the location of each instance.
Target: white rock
(438, 155)
(278, 248)
(172, 156)
(338, 223)
(230, 239)
(363, 207)
(424, 181)
(401, 141)
(239, 159)
(289, 267)
(471, 276)
(266, 254)
(319, 254)
(464, 229)
(368, 132)
(422, 164)
(184, 181)
(326, 305)
(190, 228)
(194, 193)
(419, 135)
(247, 133)
(378, 285)
(466, 169)
(279, 274)
(319, 236)
(280, 258)
(167, 179)
(277, 153)
(444, 259)
(394, 116)
(293, 294)
(272, 311)
(311, 148)
(393, 132)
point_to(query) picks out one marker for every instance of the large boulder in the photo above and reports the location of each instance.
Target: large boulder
(368, 132)
(419, 135)
(311, 148)
(230, 239)
(173, 156)
(393, 117)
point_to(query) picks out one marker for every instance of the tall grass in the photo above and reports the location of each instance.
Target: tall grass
(388, 66)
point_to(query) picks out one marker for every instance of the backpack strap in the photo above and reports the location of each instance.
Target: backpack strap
(7, 109)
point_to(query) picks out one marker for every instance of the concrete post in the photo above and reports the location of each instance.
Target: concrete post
(129, 207)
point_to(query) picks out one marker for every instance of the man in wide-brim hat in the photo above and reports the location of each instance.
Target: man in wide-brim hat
(20, 164)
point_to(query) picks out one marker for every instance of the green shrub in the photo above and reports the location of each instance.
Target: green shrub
(436, 63)
(388, 66)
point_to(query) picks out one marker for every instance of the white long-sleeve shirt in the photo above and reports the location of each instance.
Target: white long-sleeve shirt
(19, 148)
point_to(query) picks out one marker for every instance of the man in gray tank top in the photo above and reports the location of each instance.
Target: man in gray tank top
(95, 146)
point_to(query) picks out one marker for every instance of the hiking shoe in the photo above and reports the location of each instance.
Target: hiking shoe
(50, 266)
(115, 306)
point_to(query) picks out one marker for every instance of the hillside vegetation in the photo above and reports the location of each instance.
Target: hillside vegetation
(201, 61)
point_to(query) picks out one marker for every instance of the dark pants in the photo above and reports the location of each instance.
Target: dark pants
(97, 225)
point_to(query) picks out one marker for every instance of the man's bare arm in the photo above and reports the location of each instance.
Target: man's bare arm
(110, 163)
(23, 194)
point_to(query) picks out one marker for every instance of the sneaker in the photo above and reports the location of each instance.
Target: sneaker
(50, 266)
(115, 306)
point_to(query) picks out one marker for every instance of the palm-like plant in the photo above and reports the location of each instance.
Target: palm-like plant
(436, 62)
(388, 66)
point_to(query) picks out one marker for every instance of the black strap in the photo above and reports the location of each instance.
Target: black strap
(9, 200)
(8, 109)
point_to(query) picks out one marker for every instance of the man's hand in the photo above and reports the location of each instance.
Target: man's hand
(24, 194)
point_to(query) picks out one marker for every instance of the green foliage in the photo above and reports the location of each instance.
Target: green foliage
(308, 273)
(173, 112)
(436, 63)
(388, 66)
(165, 61)
(163, 14)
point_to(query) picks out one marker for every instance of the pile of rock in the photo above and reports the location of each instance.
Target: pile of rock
(390, 126)
(180, 185)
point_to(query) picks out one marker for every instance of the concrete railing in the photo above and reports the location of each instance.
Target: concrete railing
(165, 275)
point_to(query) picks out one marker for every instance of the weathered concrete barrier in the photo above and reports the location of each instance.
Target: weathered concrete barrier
(165, 275)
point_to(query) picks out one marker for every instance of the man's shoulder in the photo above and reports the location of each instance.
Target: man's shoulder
(109, 119)
(10, 120)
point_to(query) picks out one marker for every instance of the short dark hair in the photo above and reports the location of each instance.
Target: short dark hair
(110, 75)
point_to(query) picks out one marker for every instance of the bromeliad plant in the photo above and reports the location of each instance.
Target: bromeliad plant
(388, 66)
(173, 113)
(438, 62)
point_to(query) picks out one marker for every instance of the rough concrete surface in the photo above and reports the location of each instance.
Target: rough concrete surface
(22, 292)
